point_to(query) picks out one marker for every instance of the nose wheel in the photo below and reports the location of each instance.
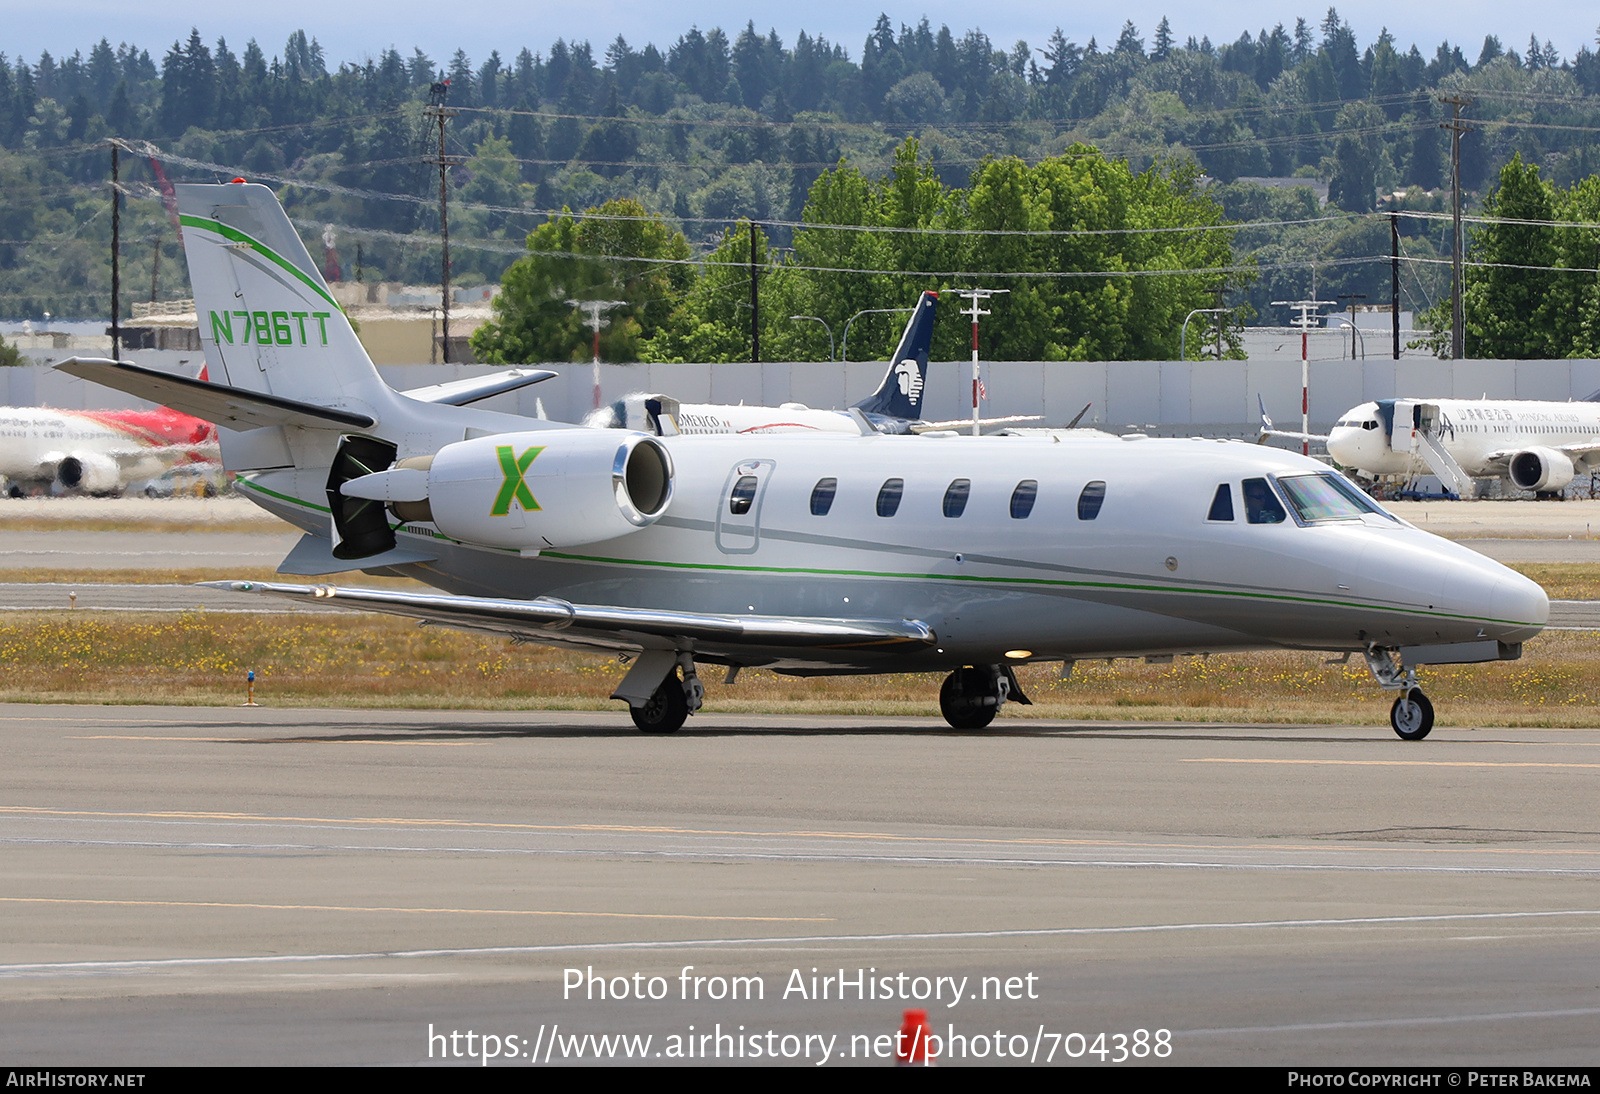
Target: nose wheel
(1412, 715)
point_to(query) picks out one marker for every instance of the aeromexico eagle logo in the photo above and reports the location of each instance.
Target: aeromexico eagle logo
(515, 467)
(909, 378)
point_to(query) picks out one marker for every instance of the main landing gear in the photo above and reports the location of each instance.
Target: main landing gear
(1412, 713)
(658, 699)
(971, 696)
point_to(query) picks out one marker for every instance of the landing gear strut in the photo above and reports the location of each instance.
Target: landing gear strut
(1412, 714)
(973, 695)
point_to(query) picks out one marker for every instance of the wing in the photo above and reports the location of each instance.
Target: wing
(957, 423)
(745, 639)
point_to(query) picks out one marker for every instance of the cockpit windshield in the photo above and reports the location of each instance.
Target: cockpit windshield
(1320, 497)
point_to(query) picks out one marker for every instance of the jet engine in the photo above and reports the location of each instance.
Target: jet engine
(529, 491)
(1542, 470)
(89, 473)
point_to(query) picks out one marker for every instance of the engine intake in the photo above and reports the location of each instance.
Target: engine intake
(1542, 470)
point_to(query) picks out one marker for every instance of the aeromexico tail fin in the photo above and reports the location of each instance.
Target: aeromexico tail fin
(267, 320)
(900, 394)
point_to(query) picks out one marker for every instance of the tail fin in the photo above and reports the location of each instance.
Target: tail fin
(267, 320)
(900, 395)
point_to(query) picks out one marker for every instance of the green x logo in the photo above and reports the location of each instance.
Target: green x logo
(515, 467)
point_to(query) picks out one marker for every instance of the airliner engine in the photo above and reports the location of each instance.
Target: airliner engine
(526, 491)
(1541, 469)
(89, 472)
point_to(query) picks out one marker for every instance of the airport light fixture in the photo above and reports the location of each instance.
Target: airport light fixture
(844, 343)
(824, 322)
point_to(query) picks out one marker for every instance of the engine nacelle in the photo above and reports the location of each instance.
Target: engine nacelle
(1542, 470)
(89, 473)
(530, 491)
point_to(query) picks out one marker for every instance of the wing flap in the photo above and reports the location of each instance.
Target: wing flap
(559, 620)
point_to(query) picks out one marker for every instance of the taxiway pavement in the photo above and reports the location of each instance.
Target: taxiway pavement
(287, 886)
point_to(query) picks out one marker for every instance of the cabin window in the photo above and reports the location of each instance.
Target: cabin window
(1222, 504)
(1023, 497)
(889, 497)
(742, 495)
(955, 497)
(1089, 502)
(822, 496)
(1261, 505)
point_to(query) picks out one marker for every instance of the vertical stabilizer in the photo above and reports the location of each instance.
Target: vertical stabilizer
(267, 320)
(900, 395)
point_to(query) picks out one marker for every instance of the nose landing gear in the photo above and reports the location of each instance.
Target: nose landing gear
(1412, 713)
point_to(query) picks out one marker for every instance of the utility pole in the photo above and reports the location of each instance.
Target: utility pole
(116, 267)
(1306, 320)
(1458, 320)
(437, 93)
(755, 303)
(155, 273)
(975, 295)
(596, 310)
(1394, 279)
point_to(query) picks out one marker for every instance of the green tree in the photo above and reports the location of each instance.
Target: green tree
(1511, 311)
(714, 321)
(634, 258)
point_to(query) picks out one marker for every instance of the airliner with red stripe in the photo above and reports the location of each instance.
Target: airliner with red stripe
(98, 451)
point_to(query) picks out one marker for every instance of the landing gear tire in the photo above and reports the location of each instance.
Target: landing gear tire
(665, 711)
(1412, 715)
(968, 699)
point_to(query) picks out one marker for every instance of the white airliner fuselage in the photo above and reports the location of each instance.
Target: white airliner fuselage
(97, 452)
(1538, 446)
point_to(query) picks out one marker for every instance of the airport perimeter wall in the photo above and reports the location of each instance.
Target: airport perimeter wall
(1215, 398)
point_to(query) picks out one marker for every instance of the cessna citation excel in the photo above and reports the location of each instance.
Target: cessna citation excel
(805, 554)
(97, 451)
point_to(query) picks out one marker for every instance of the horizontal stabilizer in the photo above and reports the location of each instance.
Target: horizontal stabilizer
(546, 618)
(477, 388)
(230, 407)
(313, 557)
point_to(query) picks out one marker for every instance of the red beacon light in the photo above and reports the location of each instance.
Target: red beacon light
(236, 180)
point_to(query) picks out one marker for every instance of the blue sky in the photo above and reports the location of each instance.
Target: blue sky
(356, 29)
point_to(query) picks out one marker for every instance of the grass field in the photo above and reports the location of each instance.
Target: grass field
(381, 662)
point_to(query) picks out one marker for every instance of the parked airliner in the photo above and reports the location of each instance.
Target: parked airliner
(97, 451)
(1536, 446)
(896, 407)
(805, 554)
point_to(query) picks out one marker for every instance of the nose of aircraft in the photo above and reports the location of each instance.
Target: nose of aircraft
(1505, 605)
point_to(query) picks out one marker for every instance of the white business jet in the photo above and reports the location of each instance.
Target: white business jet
(805, 554)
